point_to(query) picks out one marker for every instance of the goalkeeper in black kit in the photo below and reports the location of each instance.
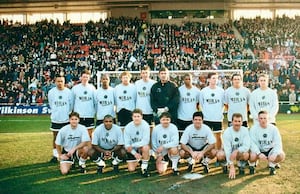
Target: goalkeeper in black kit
(164, 96)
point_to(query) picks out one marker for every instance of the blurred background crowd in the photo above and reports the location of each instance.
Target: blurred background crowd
(31, 55)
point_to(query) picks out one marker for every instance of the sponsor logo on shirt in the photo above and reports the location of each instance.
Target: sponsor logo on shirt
(105, 102)
(85, 98)
(212, 101)
(188, 100)
(143, 93)
(237, 99)
(60, 103)
(125, 98)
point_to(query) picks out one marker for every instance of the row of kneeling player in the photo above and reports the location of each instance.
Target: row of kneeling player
(196, 145)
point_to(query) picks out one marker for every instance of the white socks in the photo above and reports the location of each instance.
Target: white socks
(144, 164)
(191, 161)
(82, 162)
(116, 161)
(205, 160)
(251, 163)
(272, 164)
(55, 154)
(100, 162)
(174, 160)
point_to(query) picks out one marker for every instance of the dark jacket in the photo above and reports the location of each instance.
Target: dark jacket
(165, 95)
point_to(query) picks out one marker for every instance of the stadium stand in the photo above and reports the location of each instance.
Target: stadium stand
(31, 55)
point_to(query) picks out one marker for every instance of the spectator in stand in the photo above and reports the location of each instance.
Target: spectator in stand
(110, 45)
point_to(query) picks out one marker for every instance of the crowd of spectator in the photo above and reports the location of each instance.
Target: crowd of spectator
(31, 55)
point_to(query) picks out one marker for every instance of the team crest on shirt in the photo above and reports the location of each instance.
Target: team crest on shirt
(265, 135)
(144, 88)
(107, 134)
(124, 92)
(137, 133)
(158, 90)
(188, 94)
(263, 97)
(237, 93)
(60, 97)
(236, 139)
(105, 96)
(212, 94)
(85, 92)
(165, 136)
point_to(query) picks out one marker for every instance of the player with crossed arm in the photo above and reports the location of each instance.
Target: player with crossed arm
(165, 141)
(137, 140)
(189, 98)
(143, 88)
(125, 98)
(236, 144)
(264, 98)
(198, 143)
(266, 144)
(104, 96)
(72, 142)
(107, 143)
(61, 104)
(236, 99)
(84, 102)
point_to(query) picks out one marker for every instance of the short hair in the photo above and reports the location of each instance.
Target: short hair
(263, 75)
(108, 116)
(236, 74)
(165, 114)
(105, 75)
(237, 115)
(145, 68)
(138, 111)
(85, 71)
(187, 75)
(198, 114)
(59, 75)
(74, 114)
(262, 112)
(210, 74)
(126, 73)
(163, 69)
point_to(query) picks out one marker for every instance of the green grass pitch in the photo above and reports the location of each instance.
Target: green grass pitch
(25, 143)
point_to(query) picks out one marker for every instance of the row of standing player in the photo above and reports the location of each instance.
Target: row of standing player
(156, 97)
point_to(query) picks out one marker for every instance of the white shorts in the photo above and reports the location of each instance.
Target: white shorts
(163, 153)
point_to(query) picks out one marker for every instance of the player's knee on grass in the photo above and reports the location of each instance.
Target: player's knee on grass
(65, 168)
(132, 164)
(162, 166)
